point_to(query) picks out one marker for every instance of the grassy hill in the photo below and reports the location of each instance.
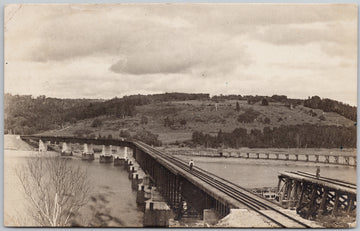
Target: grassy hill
(175, 121)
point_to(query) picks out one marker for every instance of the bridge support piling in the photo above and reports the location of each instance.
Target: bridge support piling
(286, 156)
(324, 201)
(336, 204)
(327, 159)
(136, 181)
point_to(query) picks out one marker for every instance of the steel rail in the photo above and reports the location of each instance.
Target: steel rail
(247, 200)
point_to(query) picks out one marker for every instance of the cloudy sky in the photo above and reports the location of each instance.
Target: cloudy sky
(103, 51)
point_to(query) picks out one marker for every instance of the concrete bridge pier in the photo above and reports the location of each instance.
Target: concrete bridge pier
(106, 154)
(66, 149)
(88, 153)
(119, 158)
(42, 146)
(136, 180)
(118, 161)
(144, 191)
(157, 213)
(132, 170)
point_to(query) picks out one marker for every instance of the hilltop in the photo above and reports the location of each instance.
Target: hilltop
(174, 118)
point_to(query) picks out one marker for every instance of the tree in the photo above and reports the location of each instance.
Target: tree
(322, 117)
(264, 102)
(96, 123)
(168, 122)
(148, 137)
(183, 122)
(144, 120)
(266, 120)
(124, 134)
(237, 107)
(55, 190)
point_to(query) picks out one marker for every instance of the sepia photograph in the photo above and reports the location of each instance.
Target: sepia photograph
(180, 115)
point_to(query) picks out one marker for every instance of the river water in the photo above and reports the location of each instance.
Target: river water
(251, 173)
(111, 192)
(112, 189)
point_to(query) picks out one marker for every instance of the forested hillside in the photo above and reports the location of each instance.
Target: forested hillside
(190, 119)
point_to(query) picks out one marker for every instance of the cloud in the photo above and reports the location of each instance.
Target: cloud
(107, 50)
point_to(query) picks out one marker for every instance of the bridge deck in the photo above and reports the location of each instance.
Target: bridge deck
(323, 181)
(229, 194)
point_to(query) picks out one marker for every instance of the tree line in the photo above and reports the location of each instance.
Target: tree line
(328, 105)
(291, 136)
(24, 114)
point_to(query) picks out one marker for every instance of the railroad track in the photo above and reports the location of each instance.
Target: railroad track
(234, 191)
(326, 179)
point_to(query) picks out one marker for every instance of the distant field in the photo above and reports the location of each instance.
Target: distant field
(205, 116)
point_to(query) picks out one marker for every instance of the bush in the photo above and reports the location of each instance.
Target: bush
(96, 123)
(312, 113)
(124, 134)
(148, 137)
(237, 107)
(264, 102)
(81, 133)
(266, 120)
(322, 118)
(248, 116)
(182, 122)
(144, 120)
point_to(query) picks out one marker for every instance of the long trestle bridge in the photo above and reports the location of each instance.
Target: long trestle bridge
(200, 188)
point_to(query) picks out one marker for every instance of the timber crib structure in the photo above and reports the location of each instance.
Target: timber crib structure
(311, 195)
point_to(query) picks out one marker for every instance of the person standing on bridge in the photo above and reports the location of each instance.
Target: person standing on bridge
(191, 164)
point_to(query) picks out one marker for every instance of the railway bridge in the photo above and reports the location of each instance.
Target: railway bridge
(177, 183)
